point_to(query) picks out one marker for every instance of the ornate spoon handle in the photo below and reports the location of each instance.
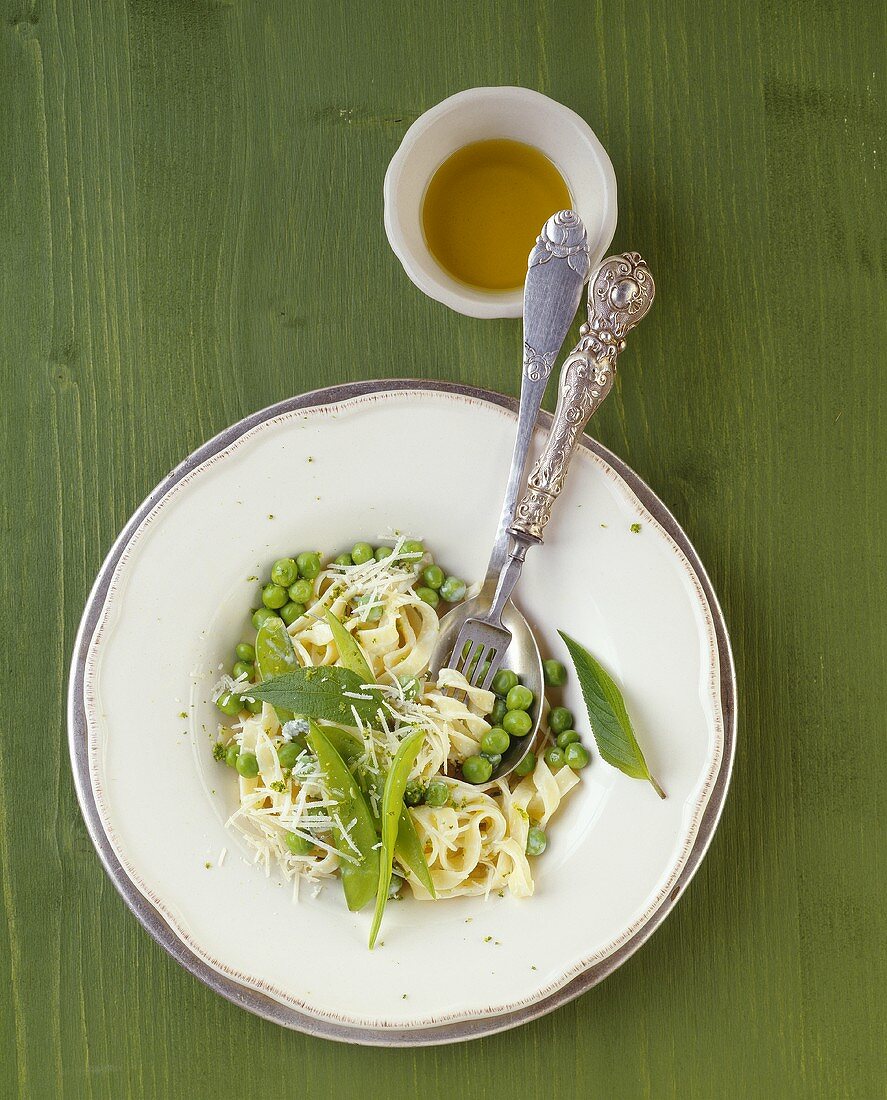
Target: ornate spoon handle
(620, 297)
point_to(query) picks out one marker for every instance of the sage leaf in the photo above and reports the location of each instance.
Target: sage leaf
(609, 719)
(326, 693)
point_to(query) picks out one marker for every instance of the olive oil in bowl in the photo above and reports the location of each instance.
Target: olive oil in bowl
(483, 210)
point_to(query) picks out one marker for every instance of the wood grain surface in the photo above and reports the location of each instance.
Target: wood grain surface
(191, 229)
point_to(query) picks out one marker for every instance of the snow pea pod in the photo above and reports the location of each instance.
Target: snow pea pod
(360, 879)
(274, 649)
(408, 848)
(410, 852)
(392, 804)
(347, 745)
(275, 655)
(350, 654)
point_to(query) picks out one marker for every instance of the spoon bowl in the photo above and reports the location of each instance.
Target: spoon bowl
(522, 656)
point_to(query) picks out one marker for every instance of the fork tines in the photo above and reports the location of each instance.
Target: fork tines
(479, 651)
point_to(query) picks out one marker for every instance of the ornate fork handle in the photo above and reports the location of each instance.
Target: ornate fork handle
(556, 271)
(620, 296)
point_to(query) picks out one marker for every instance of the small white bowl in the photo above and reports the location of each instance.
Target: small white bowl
(476, 115)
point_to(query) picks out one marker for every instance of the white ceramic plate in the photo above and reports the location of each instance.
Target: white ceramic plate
(321, 471)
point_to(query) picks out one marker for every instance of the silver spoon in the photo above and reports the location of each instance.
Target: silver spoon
(619, 298)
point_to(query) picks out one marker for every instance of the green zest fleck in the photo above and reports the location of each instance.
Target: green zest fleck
(609, 719)
(635, 528)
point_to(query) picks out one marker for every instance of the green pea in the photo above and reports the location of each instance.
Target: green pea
(413, 547)
(301, 591)
(453, 590)
(395, 886)
(242, 668)
(284, 572)
(470, 669)
(429, 596)
(568, 737)
(537, 841)
(495, 740)
(560, 719)
(554, 758)
(576, 756)
(245, 652)
(229, 704)
(437, 794)
(476, 769)
(433, 576)
(517, 723)
(504, 681)
(526, 765)
(261, 615)
(292, 611)
(309, 564)
(298, 845)
(555, 674)
(254, 706)
(495, 758)
(410, 687)
(361, 552)
(247, 765)
(288, 754)
(231, 754)
(414, 792)
(274, 596)
(343, 559)
(498, 712)
(375, 611)
(382, 552)
(519, 698)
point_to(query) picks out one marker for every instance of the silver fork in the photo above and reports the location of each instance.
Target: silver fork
(618, 298)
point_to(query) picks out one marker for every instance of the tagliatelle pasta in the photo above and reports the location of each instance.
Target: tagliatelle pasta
(474, 839)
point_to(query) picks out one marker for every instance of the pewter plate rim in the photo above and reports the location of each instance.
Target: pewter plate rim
(255, 1001)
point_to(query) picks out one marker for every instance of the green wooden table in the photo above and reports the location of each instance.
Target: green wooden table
(191, 229)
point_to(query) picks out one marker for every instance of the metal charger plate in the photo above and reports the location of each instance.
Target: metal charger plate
(255, 1001)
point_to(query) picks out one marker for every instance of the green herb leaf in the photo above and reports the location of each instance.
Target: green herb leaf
(609, 719)
(350, 653)
(319, 693)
